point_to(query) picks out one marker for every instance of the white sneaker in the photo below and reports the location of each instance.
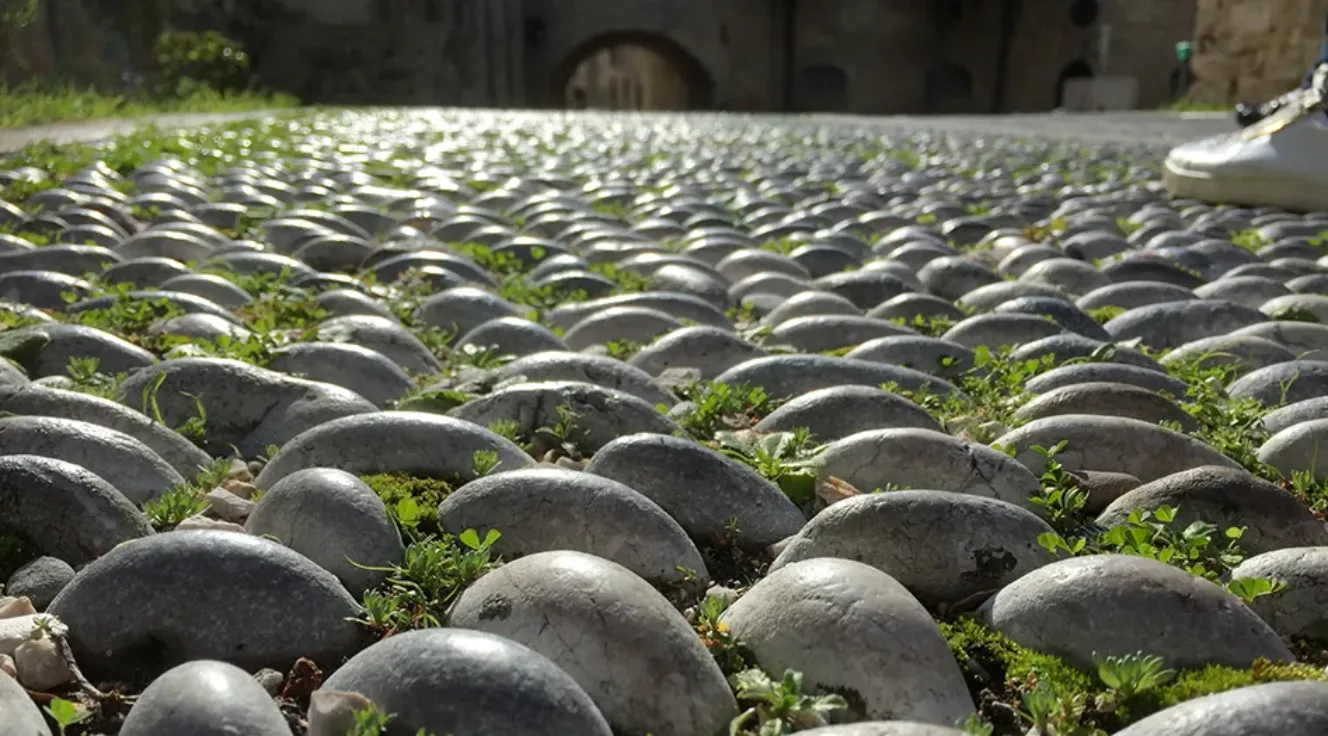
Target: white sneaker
(1280, 161)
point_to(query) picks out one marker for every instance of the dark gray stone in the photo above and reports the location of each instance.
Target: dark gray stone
(1130, 375)
(785, 376)
(41, 289)
(544, 509)
(124, 462)
(1306, 340)
(512, 336)
(832, 413)
(602, 414)
(348, 302)
(1272, 709)
(620, 639)
(385, 336)
(113, 354)
(1115, 444)
(367, 372)
(1107, 399)
(1283, 383)
(456, 681)
(943, 547)
(933, 355)
(247, 407)
(211, 287)
(951, 277)
(1068, 347)
(636, 324)
(40, 580)
(683, 306)
(1058, 310)
(17, 711)
(997, 329)
(415, 443)
(1245, 352)
(1292, 414)
(701, 489)
(921, 458)
(246, 590)
(710, 350)
(207, 698)
(1298, 448)
(852, 629)
(1134, 294)
(1300, 609)
(599, 370)
(818, 333)
(35, 399)
(1114, 605)
(1172, 324)
(910, 306)
(810, 303)
(334, 519)
(1272, 517)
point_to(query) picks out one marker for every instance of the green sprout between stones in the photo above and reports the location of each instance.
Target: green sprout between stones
(777, 707)
(181, 502)
(434, 570)
(66, 714)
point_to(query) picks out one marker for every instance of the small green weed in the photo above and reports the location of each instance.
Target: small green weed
(435, 569)
(779, 707)
(720, 406)
(622, 349)
(66, 714)
(788, 459)
(372, 722)
(717, 637)
(1131, 674)
(1060, 500)
(85, 378)
(174, 506)
(193, 428)
(561, 439)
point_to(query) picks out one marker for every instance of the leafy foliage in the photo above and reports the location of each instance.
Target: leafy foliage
(182, 502)
(1131, 674)
(717, 637)
(788, 459)
(435, 569)
(779, 706)
(720, 406)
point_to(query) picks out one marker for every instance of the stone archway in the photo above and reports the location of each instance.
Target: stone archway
(696, 85)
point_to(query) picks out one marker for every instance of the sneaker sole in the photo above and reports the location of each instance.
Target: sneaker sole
(1248, 191)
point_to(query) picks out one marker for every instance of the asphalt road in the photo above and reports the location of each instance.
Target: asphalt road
(1142, 128)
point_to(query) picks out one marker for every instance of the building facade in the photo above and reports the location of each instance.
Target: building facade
(852, 56)
(1254, 49)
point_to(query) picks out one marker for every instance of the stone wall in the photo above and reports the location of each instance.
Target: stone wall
(1142, 44)
(722, 45)
(1249, 50)
(860, 56)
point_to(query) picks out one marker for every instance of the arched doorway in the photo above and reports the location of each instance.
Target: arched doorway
(632, 70)
(821, 88)
(1077, 69)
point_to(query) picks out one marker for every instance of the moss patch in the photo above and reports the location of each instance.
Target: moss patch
(412, 501)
